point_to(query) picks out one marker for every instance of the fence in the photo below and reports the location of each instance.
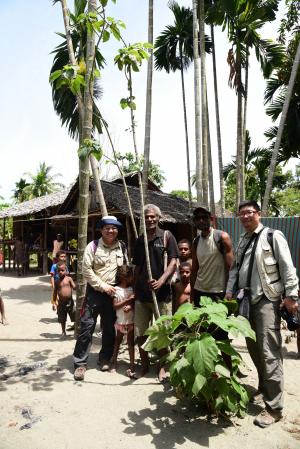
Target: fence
(289, 226)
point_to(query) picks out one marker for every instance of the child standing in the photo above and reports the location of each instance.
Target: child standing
(63, 289)
(123, 304)
(61, 257)
(182, 288)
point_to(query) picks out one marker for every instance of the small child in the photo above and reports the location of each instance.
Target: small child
(123, 304)
(3, 319)
(182, 288)
(185, 251)
(63, 289)
(62, 257)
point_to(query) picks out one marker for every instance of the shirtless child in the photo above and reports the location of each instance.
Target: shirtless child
(63, 288)
(182, 287)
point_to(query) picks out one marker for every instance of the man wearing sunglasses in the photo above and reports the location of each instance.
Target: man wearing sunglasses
(273, 283)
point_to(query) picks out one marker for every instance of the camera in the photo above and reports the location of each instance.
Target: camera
(291, 320)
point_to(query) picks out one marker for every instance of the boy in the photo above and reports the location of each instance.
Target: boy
(62, 257)
(185, 251)
(63, 288)
(182, 288)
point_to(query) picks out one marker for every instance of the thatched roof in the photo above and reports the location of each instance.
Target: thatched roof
(174, 210)
(36, 205)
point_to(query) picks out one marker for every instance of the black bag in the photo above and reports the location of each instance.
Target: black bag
(244, 294)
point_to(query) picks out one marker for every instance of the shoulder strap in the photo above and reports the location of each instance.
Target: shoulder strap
(251, 261)
(95, 245)
(123, 248)
(270, 234)
(218, 240)
(195, 242)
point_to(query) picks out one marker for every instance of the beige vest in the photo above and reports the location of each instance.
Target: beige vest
(211, 273)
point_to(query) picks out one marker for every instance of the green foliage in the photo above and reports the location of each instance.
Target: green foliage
(19, 193)
(88, 147)
(42, 182)
(197, 369)
(180, 194)
(131, 57)
(130, 165)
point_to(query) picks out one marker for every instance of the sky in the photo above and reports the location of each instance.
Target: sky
(31, 132)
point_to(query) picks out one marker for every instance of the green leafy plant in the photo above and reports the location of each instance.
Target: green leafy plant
(197, 369)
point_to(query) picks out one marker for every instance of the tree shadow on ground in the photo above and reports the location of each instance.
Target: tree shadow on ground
(39, 293)
(172, 425)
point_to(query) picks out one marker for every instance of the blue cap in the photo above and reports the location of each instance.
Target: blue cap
(108, 220)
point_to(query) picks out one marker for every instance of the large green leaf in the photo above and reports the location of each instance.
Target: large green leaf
(238, 325)
(198, 383)
(202, 354)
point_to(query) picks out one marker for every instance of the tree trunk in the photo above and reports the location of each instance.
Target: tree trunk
(239, 131)
(203, 105)
(243, 186)
(98, 188)
(148, 104)
(142, 204)
(198, 176)
(212, 206)
(280, 131)
(220, 156)
(186, 135)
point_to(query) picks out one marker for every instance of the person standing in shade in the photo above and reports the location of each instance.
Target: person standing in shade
(160, 243)
(273, 284)
(100, 262)
(58, 244)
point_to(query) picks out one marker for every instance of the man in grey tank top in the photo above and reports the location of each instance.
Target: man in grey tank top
(212, 257)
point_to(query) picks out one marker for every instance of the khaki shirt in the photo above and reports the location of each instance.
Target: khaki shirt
(100, 266)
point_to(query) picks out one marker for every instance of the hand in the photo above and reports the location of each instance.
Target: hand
(131, 297)
(127, 308)
(290, 304)
(109, 289)
(228, 296)
(54, 307)
(154, 284)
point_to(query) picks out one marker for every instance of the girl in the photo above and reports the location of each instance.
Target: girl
(123, 304)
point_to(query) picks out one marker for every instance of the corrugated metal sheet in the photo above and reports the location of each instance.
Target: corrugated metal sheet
(289, 226)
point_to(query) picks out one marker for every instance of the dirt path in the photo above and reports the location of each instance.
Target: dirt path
(42, 407)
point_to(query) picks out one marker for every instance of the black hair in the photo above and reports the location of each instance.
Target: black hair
(124, 271)
(185, 265)
(185, 241)
(60, 252)
(252, 203)
(60, 264)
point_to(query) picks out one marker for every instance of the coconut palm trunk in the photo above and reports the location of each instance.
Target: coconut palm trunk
(211, 188)
(243, 188)
(186, 132)
(148, 104)
(220, 156)
(203, 104)
(198, 176)
(239, 130)
(280, 131)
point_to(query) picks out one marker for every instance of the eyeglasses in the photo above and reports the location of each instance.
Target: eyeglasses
(109, 228)
(246, 213)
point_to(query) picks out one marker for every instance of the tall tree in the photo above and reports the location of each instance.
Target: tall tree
(174, 51)
(198, 177)
(148, 103)
(243, 19)
(285, 108)
(42, 182)
(19, 195)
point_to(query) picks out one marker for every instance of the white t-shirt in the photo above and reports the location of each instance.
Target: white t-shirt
(120, 295)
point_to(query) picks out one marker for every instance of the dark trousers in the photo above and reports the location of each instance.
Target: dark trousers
(97, 303)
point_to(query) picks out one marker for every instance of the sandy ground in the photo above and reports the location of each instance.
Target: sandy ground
(42, 407)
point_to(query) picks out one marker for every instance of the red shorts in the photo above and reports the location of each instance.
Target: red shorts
(124, 328)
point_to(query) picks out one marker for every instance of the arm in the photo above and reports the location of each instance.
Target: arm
(287, 271)
(54, 297)
(228, 251)
(119, 304)
(72, 283)
(195, 268)
(231, 281)
(173, 254)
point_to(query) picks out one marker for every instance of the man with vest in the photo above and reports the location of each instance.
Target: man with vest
(163, 253)
(273, 283)
(212, 257)
(100, 261)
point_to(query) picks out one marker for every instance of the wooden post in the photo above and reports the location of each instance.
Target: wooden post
(129, 236)
(45, 249)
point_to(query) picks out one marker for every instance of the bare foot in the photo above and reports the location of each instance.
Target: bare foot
(113, 370)
(4, 322)
(131, 374)
(162, 375)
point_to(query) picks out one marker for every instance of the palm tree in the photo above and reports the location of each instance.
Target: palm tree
(42, 183)
(285, 109)
(19, 195)
(243, 19)
(148, 104)
(174, 51)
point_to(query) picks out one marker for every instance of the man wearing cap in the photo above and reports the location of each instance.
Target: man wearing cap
(212, 257)
(100, 261)
(160, 242)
